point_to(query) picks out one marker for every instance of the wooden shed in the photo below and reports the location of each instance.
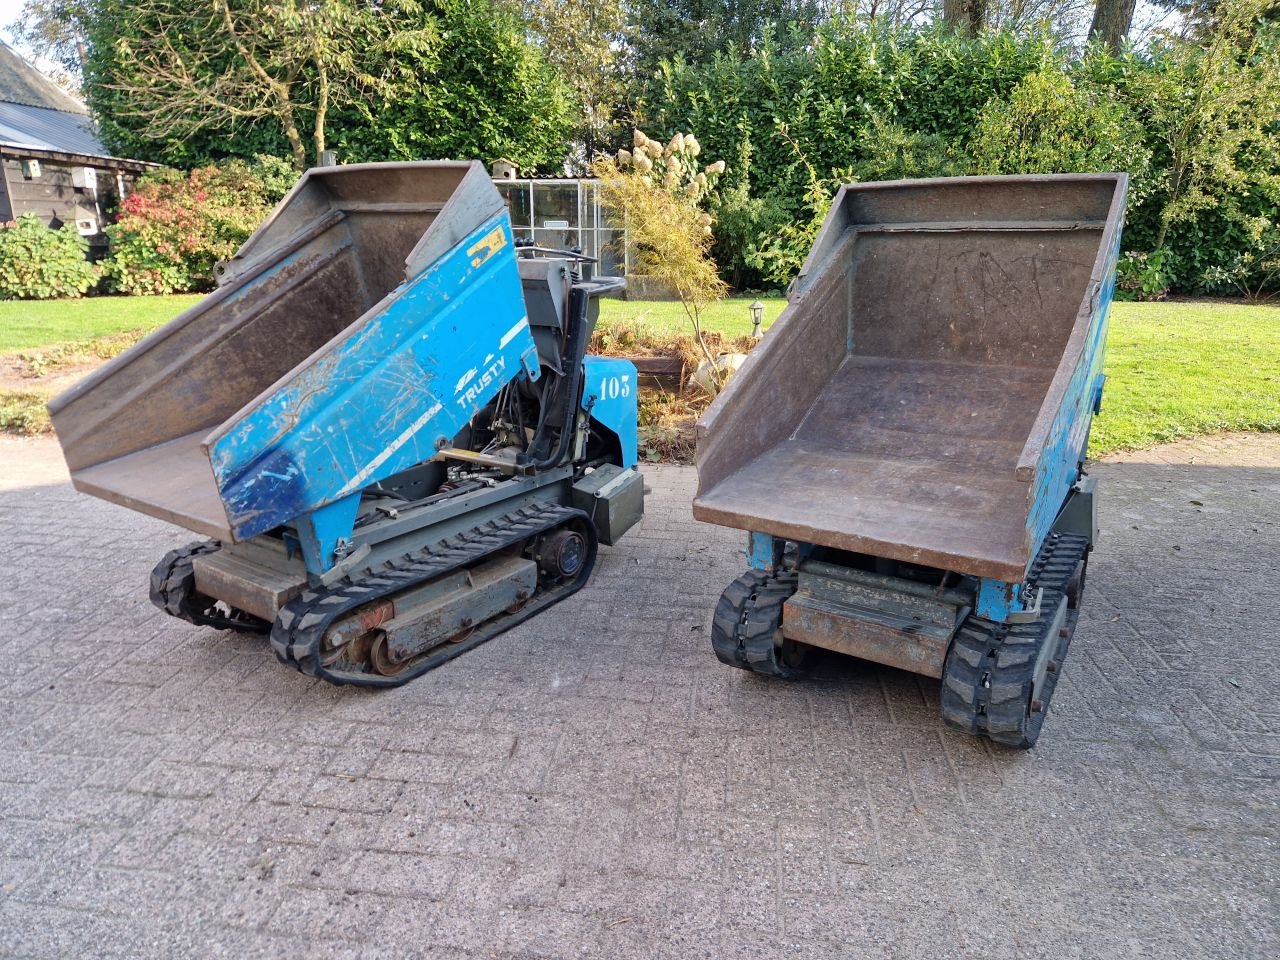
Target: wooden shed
(51, 161)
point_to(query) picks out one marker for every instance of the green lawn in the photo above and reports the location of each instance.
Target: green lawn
(731, 316)
(1182, 369)
(27, 324)
(1174, 369)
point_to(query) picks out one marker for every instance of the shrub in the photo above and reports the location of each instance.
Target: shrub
(886, 151)
(277, 175)
(1050, 125)
(1254, 272)
(174, 228)
(1143, 276)
(780, 255)
(37, 263)
(657, 191)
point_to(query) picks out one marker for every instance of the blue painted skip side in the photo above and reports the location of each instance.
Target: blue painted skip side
(379, 401)
(1058, 467)
(996, 600)
(764, 551)
(610, 390)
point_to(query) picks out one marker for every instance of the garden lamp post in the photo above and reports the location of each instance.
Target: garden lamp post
(757, 317)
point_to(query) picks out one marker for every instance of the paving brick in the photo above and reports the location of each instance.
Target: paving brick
(572, 791)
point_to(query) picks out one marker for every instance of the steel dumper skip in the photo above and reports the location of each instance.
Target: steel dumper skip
(941, 350)
(386, 397)
(926, 397)
(316, 364)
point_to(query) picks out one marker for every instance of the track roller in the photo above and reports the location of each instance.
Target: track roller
(746, 629)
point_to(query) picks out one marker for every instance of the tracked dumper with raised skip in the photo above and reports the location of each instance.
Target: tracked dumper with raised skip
(906, 446)
(385, 421)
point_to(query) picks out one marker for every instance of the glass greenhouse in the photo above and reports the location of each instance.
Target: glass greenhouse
(564, 213)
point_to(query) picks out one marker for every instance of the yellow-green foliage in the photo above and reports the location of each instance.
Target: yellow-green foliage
(1049, 125)
(656, 191)
(23, 412)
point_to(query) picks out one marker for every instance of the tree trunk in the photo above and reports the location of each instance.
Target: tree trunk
(1111, 22)
(965, 17)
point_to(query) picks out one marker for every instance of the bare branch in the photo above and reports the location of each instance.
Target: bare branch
(205, 69)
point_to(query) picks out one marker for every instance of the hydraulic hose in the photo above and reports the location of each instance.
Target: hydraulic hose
(569, 387)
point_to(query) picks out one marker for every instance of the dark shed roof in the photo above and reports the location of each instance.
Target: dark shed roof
(43, 129)
(36, 114)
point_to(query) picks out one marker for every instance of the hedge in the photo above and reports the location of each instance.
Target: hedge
(866, 104)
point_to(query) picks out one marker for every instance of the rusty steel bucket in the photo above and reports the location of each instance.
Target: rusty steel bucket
(926, 395)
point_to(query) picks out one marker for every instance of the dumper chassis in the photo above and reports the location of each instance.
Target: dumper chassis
(560, 540)
(998, 679)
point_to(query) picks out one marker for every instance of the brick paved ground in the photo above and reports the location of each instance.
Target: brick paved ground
(594, 784)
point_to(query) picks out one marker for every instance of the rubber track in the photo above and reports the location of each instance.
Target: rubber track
(299, 629)
(747, 617)
(990, 670)
(173, 590)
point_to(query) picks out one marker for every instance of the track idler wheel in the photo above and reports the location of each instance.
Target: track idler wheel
(173, 590)
(999, 678)
(746, 628)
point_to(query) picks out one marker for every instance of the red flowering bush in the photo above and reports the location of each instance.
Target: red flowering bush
(173, 229)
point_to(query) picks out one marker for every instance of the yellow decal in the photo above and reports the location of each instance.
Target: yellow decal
(488, 245)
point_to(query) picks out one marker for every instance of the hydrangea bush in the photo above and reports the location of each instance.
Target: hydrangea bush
(175, 227)
(37, 263)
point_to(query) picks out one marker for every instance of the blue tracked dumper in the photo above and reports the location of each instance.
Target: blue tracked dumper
(384, 420)
(906, 447)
